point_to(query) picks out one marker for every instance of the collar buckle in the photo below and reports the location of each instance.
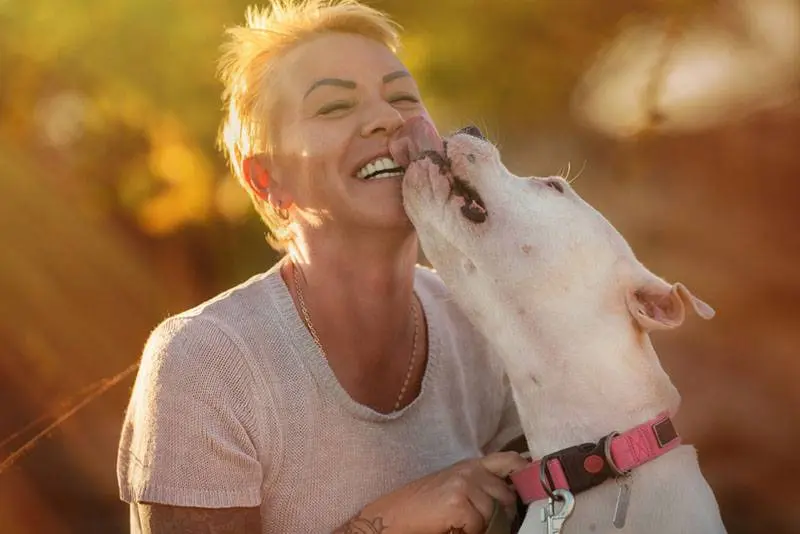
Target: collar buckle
(585, 466)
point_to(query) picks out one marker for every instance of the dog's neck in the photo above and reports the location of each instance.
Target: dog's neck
(573, 385)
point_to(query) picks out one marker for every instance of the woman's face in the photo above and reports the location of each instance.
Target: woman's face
(341, 97)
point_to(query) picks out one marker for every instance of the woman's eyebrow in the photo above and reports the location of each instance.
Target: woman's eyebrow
(394, 75)
(336, 82)
(348, 84)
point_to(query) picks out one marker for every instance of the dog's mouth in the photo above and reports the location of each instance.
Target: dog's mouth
(473, 209)
(418, 140)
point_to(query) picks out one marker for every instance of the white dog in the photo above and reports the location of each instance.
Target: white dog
(568, 308)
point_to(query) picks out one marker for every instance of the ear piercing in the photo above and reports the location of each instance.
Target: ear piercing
(280, 210)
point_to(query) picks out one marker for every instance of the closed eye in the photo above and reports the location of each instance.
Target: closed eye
(337, 105)
(472, 130)
(404, 98)
(554, 184)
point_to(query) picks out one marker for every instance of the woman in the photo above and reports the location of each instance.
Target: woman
(341, 390)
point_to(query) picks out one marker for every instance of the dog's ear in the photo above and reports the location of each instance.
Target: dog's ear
(657, 305)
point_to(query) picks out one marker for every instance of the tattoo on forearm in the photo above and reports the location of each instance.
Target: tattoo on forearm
(360, 525)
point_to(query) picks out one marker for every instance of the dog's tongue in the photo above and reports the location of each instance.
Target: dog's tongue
(417, 136)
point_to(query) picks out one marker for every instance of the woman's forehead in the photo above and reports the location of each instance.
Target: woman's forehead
(348, 57)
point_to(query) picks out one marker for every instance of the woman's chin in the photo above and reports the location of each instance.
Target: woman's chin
(377, 204)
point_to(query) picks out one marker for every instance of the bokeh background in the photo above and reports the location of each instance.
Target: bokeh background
(680, 119)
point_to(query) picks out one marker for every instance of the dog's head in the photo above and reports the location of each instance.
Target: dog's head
(531, 245)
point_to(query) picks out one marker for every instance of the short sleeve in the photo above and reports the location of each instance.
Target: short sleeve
(189, 433)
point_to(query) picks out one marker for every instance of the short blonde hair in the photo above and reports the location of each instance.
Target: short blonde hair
(249, 68)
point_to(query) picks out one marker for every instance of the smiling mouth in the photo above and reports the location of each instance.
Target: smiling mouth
(380, 168)
(474, 209)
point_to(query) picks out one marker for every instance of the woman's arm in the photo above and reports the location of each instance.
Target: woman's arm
(462, 498)
(187, 452)
(164, 519)
(458, 499)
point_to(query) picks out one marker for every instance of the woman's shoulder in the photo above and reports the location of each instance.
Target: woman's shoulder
(252, 297)
(219, 327)
(183, 348)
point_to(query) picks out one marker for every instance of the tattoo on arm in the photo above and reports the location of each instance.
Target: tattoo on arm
(163, 519)
(360, 525)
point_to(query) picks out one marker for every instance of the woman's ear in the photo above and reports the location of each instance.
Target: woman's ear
(256, 176)
(261, 181)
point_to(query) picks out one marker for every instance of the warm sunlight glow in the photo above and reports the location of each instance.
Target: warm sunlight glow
(695, 76)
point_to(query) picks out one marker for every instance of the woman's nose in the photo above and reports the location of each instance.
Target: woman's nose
(383, 118)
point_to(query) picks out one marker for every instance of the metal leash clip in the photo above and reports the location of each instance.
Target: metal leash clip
(553, 520)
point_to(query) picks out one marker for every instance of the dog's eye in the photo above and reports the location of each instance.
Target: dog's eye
(555, 184)
(472, 130)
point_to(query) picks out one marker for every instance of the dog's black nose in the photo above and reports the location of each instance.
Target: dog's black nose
(472, 130)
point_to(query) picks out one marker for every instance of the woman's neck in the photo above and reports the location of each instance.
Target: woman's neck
(357, 293)
(358, 297)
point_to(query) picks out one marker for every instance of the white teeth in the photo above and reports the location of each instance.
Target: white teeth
(380, 164)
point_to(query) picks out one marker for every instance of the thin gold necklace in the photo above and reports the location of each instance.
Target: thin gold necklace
(315, 337)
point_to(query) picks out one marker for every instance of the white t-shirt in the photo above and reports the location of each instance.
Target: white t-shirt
(234, 405)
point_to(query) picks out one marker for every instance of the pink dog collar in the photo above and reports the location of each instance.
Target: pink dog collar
(585, 466)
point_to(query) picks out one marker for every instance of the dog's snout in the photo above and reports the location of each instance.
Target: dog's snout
(441, 161)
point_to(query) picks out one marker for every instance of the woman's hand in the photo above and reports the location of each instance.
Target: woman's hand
(457, 499)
